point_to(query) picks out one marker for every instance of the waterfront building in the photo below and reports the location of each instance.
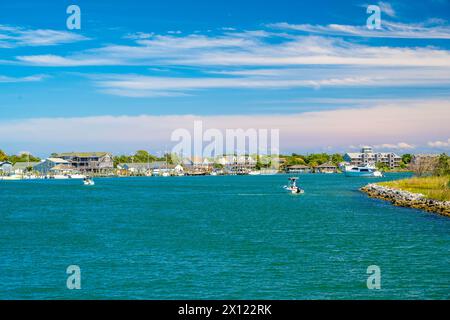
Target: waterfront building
(298, 168)
(6, 168)
(135, 168)
(94, 162)
(63, 169)
(161, 167)
(45, 166)
(240, 164)
(200, 163)
(22, 167)
(368, 156)
(326, 168)
(187, 163)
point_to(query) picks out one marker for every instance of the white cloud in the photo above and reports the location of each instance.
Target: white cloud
(138, 35)
(439, 144)
(386, 8)
(11, 37)
(399, 146)
(148, 86)
(50, 60)
(33, 78)
(417, 123)
(247, 49)
(431, 29)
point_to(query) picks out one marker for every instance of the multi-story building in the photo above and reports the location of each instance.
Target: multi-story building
(46, 166)
(89, 161)
(367, 156)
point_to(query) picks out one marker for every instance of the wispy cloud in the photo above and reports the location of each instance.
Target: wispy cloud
(11, 36)
(246, 49)
(149, 86)
(395, 146)
(439, 144)
(386, 8)
(33, 78)
(50, 60)
(432, 29)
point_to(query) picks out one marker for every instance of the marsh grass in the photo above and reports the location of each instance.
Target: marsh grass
(437, 188)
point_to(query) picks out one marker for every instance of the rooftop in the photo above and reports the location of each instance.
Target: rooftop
(298, 166)
(327, 165)
(24, 165)
(83, 154)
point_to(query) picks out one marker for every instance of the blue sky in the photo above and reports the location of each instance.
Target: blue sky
(312, 69)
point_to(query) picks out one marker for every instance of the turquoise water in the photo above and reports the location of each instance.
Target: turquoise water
(232, 237)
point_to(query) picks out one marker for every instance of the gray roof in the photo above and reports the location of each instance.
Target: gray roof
(83, 154)
(24, 165)
(145, 166)
(298, 166)
(134, 165)
(327, 165)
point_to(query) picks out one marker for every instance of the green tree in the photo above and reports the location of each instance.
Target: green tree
(142, 156)
(23, 157)
(337, 158)
(406, 158)
(218, 166)
(296, 160)
(442, 167)
(258, 164)
(318, 158)
(167, 157)
(3, 156)
(382, 166)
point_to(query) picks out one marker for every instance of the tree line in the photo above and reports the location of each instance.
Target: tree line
(22, 157)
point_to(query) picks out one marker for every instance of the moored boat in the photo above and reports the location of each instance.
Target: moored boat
(362, 171)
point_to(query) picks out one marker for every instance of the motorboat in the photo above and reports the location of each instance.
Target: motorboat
(292, 186)
(11, 177)
(362, 171)
(77, 176)
(88, 181)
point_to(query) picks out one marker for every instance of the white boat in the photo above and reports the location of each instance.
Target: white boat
(255, 173)
(30, 177)
(60, 176)
(88, 181)
(77, 176)
(268, 172)
(292, 186)
(362, 171)
(12, 177)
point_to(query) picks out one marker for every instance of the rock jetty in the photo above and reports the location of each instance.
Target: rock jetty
(407, 199)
